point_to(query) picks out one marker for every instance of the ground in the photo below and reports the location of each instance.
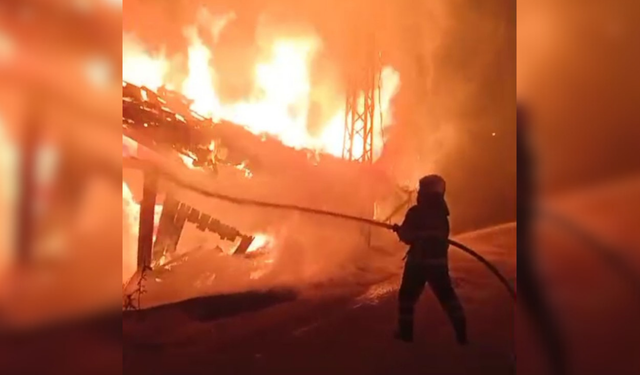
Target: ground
(347, 329)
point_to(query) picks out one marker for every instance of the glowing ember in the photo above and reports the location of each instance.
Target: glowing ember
(260, 242)
(280, 100)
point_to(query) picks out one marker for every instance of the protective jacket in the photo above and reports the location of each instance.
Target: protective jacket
(426, 229)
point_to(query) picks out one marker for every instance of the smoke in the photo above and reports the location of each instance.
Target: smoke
(455, 112)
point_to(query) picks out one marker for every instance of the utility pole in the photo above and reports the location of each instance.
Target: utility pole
(358, 141)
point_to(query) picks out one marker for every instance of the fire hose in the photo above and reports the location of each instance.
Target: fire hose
(602, 250)
(251, 202)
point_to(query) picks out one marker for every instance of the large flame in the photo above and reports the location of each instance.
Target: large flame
(280, 101)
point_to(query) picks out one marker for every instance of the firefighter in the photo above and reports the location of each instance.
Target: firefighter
(426, 230)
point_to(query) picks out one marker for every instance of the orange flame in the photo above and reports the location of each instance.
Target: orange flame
(281, 98)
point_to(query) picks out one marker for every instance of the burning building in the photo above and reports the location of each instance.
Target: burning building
(274, 146)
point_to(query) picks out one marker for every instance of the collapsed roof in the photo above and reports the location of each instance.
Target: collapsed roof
(164, 120)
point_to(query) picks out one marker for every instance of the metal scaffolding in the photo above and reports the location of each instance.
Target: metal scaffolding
(360, 108)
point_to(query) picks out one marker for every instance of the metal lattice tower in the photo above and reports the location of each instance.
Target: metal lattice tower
(360, 109)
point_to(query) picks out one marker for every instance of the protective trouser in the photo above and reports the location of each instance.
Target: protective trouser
(416, 276)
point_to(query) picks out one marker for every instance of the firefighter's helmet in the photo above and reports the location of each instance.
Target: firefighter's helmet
(432, 183)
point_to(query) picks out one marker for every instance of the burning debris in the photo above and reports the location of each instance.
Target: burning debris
(171, 224)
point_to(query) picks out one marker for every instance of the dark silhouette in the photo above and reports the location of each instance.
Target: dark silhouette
(530, 293)
(426, 229)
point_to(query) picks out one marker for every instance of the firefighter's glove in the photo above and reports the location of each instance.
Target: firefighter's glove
(395, 228)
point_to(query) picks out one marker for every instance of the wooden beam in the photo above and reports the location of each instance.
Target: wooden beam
(169, 228)
(147, 213)
(244, 244)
